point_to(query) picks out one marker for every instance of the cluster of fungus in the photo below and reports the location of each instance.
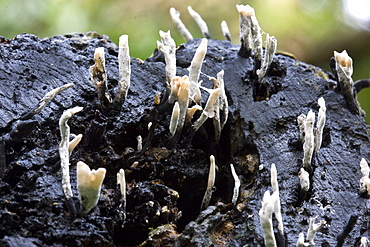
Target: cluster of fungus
(312, 140)
(183, 99)
(182, 103)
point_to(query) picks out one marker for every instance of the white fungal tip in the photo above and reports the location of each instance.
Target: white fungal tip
(72, 144)
(310, 117)
(89, 184)
(99, 55)
(212, 159)
(75, 110)
(89, 178)
(174, 118)
(121, 180)
(123, 40)
(364, 168)
(343, 59)
(304, 178)
(321, 103)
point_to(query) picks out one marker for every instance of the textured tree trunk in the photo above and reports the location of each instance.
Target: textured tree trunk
(166, 189)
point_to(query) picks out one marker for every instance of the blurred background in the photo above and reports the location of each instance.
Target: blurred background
(310, 29)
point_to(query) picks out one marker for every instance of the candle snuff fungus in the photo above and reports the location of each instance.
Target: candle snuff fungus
(225, 30)
(277, 207)
(175, 15)
(49, 96)
(365, 180)
(301, 119)
(271, 44)
(168, 47)
(236, 185)
(344, 71)
(99, 76)
(311, 232)
(169, 159)
(209, 110)
(211, 182)
(312, 138)
(309, 139)
(65, 149)
(200, 22)
(195, 69)
(89, 185)
(265, 214)
(183, 101)
(304, 178)
(124, 68)
(174, 118)
(271, 204)
(121, 180)
(321, 118)
(245, 29)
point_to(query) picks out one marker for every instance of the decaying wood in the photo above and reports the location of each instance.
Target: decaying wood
(261, 130)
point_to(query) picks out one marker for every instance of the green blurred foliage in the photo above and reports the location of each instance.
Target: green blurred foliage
(310, 29)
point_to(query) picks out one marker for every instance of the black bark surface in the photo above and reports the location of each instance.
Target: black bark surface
(166, 189)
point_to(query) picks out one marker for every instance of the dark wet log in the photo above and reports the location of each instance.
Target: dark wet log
(262, 129)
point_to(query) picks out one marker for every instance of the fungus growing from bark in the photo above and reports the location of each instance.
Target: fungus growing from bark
(175, 15)
(224, 104)
(301, 242)
(236, 185)
(304, 179)
(265, 214)
(191, 111)
(365, 180)
(64, 152)
(321, 118)
(175, 84)
(256, 39)
(270, 204)
(134, 165)
(245, 30)
(312, 140)
(124, 70)
(364, 242)
(251, 39)
(99, 77)
(195, 69)
(200, 22)
(183, 101)
(344, 70)
(139, 142)
(211, 182)
(174, 118)
(121, 180)
(309, 140)
(209, 109)
(271, 44)
(301, 119)
(276, 197)
(75, 141)
(89, 185)
(168, 47)
(225, 30)
(49, 96)
(312, 229)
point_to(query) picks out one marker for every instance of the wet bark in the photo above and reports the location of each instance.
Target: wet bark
(166, 189)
